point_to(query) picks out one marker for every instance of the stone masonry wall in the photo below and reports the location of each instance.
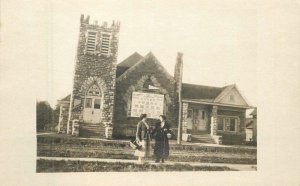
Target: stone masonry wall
(95, 68)
(240, 135)
(134, 81)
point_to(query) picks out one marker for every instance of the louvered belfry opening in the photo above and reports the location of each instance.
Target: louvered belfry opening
(91, 42)
(105, 42)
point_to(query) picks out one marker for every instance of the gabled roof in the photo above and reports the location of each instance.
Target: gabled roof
(150, 55)
(208, 94)
(67, 98)
(200, 92)
(127, 63)
(131, 60)
(224, 92)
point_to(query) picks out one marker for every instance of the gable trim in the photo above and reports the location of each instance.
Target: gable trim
(226, 92)
(148, 56)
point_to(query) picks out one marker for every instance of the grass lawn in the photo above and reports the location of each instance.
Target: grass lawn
(120, 152)
(82, 166)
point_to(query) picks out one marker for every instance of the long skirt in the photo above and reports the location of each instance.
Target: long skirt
(145, 151)
(161, 148)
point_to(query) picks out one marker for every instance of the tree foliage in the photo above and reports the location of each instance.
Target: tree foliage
(45, 116)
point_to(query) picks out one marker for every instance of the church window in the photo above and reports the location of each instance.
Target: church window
(97, 104)
(94, 90)
(91, 41)
(148, 83)
(105, 43)
(88, 103)
(93, 99)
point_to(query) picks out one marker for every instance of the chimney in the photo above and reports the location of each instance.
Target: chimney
(178, 79)
(178, 71)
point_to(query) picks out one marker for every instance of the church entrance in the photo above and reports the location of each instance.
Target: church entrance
(92, 105)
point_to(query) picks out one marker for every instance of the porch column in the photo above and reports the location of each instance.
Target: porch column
(213, 124)
(60, 118)
(108, 131)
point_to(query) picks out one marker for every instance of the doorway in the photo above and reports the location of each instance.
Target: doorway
(197, 120)
(92, 105)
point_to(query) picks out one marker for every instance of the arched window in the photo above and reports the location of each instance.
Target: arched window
(94, 91)
(147, 83)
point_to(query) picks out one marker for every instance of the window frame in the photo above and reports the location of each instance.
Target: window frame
(87, 41)
(101, 43)
(91, 102)
(226, 121)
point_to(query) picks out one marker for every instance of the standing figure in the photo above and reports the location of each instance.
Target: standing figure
(143, 137)
(161, 148)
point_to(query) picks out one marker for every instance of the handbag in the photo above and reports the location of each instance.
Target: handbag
(169, 135)
(135, 145)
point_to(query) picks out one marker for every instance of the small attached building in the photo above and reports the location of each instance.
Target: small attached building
(217, 111)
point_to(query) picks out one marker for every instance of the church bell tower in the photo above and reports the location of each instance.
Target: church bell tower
(92, 98)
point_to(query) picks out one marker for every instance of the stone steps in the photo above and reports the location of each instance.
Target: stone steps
(204, 138)
(91, 130)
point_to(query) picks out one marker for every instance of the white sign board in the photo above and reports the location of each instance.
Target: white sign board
(147, 103)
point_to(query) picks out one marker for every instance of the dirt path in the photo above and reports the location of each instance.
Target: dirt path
(241, 167)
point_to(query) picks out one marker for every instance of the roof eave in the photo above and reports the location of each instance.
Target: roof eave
(217, 104)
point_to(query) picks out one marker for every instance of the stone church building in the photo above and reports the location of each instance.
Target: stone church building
(108, 97)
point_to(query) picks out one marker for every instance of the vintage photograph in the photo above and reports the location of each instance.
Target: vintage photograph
(142, 86)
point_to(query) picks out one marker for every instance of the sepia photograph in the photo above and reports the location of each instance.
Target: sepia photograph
(150, 90)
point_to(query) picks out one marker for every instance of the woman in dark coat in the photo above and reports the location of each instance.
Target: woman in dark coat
(161, 148)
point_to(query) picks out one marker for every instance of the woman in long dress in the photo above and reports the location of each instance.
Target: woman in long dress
(161, 148)
(143, 137)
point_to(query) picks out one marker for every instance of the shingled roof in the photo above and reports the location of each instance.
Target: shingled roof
(200, 92)
(67, 98)
(127, 63)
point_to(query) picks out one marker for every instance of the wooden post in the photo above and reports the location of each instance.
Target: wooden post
(70, 112)
(60, 118)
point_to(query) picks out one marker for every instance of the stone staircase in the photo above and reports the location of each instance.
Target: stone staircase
(202, 137)
(91, 130)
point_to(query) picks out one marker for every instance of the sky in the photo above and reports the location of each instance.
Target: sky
(218, 40)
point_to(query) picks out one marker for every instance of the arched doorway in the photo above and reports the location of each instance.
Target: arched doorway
(93, 105)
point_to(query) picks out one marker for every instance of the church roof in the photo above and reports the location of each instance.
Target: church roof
(127, 63)
(149, 57)
(131, 60)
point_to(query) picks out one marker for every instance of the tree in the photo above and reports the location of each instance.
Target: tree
(44, 115)
(55, 115)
